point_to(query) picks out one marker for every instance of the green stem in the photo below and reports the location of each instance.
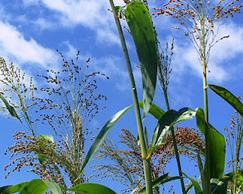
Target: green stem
(175, 147)
(205, 100)
(146, 162)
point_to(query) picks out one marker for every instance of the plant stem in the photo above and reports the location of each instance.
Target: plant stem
(146, 162)
(175, 147)
(205, 102)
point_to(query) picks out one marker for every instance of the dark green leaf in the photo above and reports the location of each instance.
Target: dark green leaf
(4, 188)
(90, 188)
(220, 186)
(228, 97)
(141, 27)
(14, 188)
(160, 180)
(10, 108)
(170, 118)
(216, 143)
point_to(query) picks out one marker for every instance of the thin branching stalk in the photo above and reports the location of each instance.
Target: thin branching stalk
(164, 71)
(146, 162)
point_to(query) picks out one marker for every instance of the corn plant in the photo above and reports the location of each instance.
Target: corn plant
(140, 25)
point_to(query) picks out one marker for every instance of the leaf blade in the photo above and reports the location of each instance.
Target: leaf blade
(217, 145)
(10, 108)
(90, 188)
(141, 27)
(102, 135)
(228, 97)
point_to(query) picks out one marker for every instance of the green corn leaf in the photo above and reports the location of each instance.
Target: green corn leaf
(196, 185)
(228, 97)
(10, 108)
(35, 186)
(220, 186)
(156, 111)
(102, 135)
(13, 188)
(160, 180)
(170, 118)
(141, 28)
(4, 188)
(216, 143)
(38, 186)
(90, 188)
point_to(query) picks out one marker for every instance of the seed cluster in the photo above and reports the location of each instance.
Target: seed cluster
(67, 102)
(127, 164)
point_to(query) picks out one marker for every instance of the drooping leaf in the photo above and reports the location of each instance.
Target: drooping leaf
(10, 108)
(220, 186)
(102, 135)
(228, 97)
(90, 188)
(160, 180)
(141, 28)
(4, 188)
(35, 186)
(195, 184)
(38, 186)
(55, 188)
(156, 111)
(216, 143)
(13, 188)
(170, 118)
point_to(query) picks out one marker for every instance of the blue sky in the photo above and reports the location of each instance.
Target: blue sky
(32, 30)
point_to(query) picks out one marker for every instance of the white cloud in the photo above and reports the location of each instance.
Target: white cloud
(15, 47)
(91, 14)
(231, 46)
(186, 57)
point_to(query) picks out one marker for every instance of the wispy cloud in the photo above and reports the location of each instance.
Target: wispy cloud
(186, 58)
(90, 14)
(15, 47)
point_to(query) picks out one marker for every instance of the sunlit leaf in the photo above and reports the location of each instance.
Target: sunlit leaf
(216, 144)
(197, 188)
(35, 186)
(141, 28)
(170, 118)
(156, 111)
(102, 135)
